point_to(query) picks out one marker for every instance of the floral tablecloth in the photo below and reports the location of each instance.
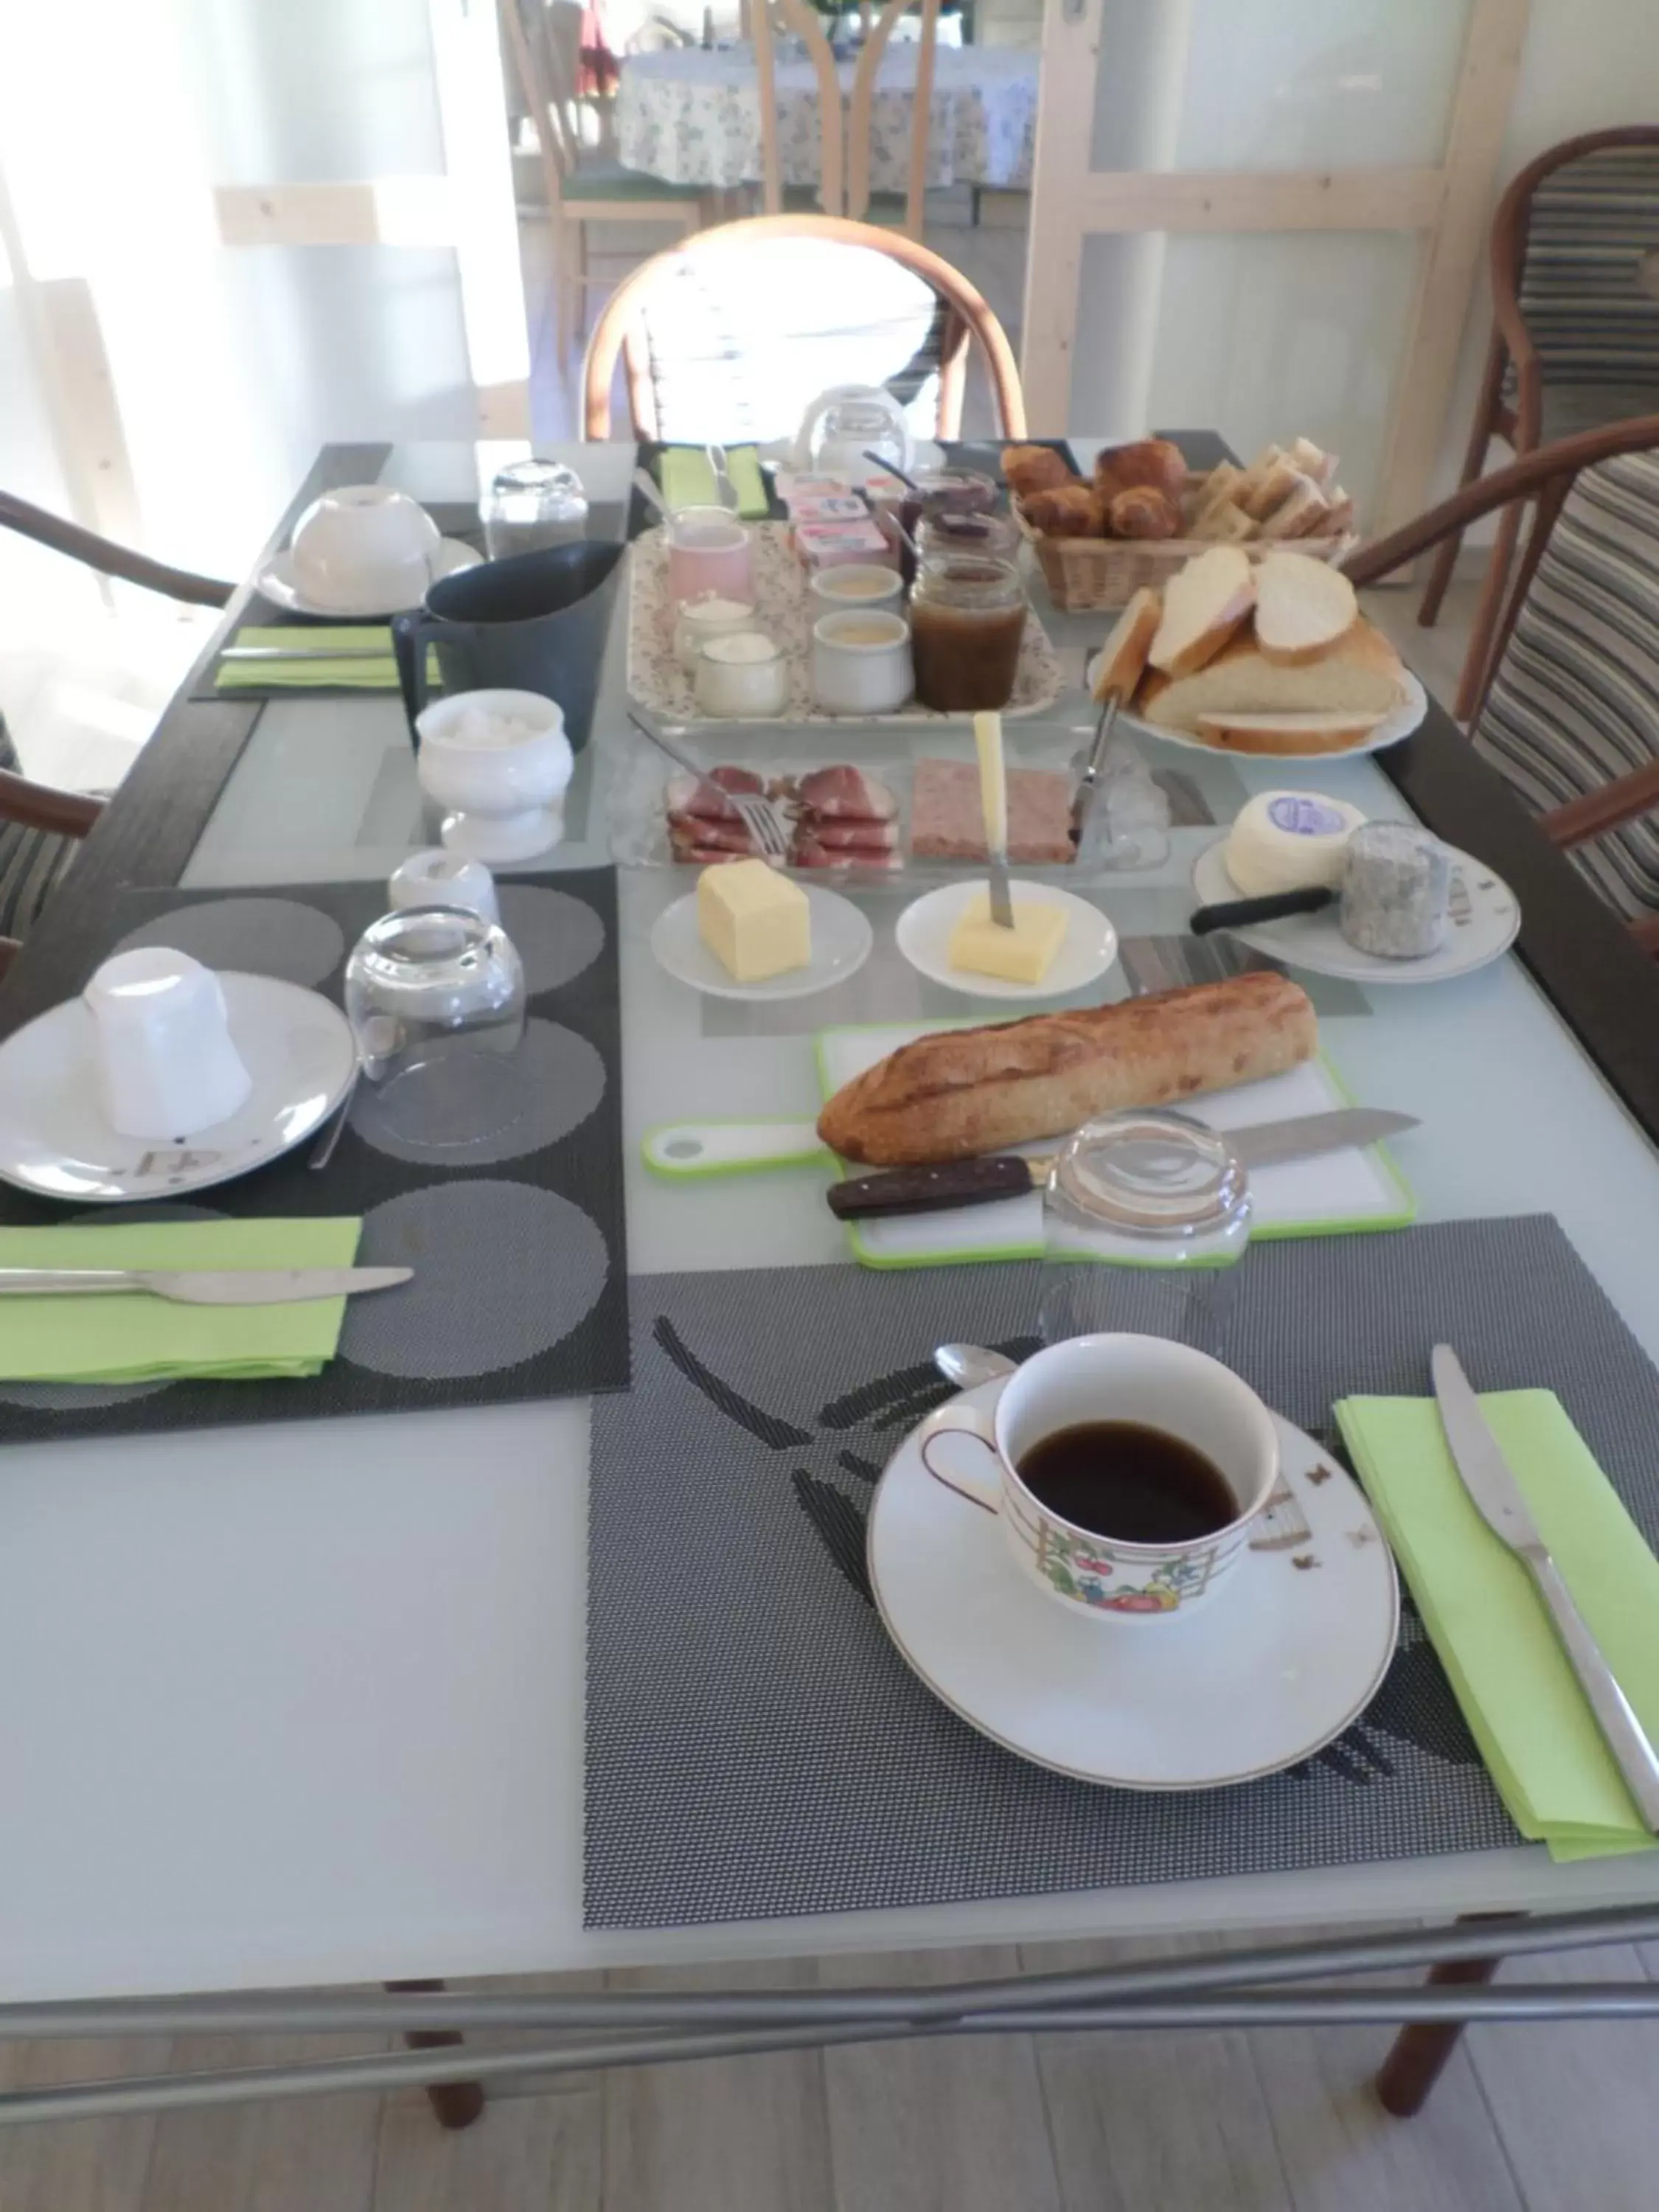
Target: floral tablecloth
(693, 118)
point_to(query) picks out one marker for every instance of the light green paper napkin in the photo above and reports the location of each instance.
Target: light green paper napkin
(688, 480)
(318, 666)
(1487, 1622)
(116, 1337)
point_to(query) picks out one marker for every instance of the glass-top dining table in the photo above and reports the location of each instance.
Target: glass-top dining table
(302, 1705)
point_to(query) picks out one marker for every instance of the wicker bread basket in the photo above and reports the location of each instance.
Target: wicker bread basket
(1084, 574)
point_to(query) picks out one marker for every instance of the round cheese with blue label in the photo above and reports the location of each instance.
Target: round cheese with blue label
(1284, 840)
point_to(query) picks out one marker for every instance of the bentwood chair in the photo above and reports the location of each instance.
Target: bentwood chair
(582, 184)
(40, 826)
(1575, 341)
(1568, 712)
(732, 334)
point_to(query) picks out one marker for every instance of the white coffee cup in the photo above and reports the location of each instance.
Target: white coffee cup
(163, 1057)
(1146, 1379)
(365, 545)
(436, 877)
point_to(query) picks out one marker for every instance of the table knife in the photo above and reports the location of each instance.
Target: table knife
(1498, 1499)
(1089, 782)
(994, 805)
(199, 1286)
(1011, 1174)
(1275, 906)
(324, 652)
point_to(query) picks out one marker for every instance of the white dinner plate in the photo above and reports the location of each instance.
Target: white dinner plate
(1484, 919)
(54, 1141)
(1389, 732)
(1087, 950)
(1286, 1654)
(841, 938)
(275, 583)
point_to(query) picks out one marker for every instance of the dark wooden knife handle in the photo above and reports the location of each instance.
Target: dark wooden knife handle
(929, 1190)
(1239, 914)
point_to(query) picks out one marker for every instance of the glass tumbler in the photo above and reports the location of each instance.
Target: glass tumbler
(435, 996)
(1145, 1216)
(530, 505)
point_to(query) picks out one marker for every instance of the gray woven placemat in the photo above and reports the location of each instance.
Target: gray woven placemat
(756, 1746)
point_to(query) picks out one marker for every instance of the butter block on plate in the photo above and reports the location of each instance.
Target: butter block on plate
(755, 922)
(1024, 954)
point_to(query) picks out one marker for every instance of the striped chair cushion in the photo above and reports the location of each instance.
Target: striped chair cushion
(1576, 703)
(739, 346)
(1592, 223)
(33, 862)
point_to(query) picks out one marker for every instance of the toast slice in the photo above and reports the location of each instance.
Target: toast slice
(1224, 524)
(1300, 514)
(1286, 733)
(1122, 661)
(1303, 608)
(1204, 604)
(1364, 675)
(1269, 491)
(1315, 463)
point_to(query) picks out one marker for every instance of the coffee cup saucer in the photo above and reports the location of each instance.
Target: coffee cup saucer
(276, 582)
(1287, 1652)
(54, 1140)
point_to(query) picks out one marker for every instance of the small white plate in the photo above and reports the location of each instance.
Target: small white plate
(275, 583)
(1287, 1653)
(1484, 920)
(54, 1141)
(1389, 732)
(842, 939)
(1087, 950)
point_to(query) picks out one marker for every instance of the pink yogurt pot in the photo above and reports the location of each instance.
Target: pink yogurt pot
(709, 550)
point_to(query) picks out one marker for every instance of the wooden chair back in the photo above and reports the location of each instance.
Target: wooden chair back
(106, 557)
(767, 20)
(860, 114)
(1568, 707)
(1574, 244)
(720, 265)
(528, 49)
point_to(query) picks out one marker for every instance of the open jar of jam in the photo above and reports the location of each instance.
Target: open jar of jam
(994, 537)
(967, 619)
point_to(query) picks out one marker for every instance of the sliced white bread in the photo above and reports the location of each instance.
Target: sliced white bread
(1204, 604)
(1122, 661)
(1361, 675)
(1339, 520)
(1225, 524)
(1313, 462)
(1244, 488)
(1219, 487)
(1268, 492)
(1286, 733)
(1303, 608)
(1302, 510)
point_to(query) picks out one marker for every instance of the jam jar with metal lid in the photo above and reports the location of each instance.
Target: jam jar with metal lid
(966, 621)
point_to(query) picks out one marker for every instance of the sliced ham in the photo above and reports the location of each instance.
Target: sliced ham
(851, 836)
(846, 793)
(808, 851)
(733, 836)
(685, 794)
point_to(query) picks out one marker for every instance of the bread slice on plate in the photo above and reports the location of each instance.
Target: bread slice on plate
(1122, 661)
(1361, 675)
(1204, 604)
(1303, 608)
(1287, 733)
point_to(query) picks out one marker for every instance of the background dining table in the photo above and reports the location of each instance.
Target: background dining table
(692, 116)
(304, 1704)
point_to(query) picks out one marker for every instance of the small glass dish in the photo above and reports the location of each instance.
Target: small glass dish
(435, 997)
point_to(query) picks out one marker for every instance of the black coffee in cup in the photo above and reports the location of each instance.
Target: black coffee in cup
(1129, 1481)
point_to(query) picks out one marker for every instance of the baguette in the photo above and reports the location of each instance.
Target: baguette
(1122, 661)
(958, 1092)
(1204, 604)
(1296, 735)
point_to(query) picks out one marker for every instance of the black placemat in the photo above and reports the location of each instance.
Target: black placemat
(517, 1238)
(755, 1744)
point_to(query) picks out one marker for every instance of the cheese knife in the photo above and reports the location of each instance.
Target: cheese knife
(978, 1183)
(203, 1286)
(1498, 1498)
(1274, 906)
(994, 805)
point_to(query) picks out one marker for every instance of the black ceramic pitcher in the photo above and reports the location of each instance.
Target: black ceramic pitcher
(537, 623)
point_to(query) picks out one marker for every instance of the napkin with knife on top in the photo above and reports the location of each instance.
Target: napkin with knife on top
(1487, 1622)
(308, 659)
(688, 479)
(119, 1336)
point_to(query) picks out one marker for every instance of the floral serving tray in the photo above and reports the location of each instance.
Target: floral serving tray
(785, 610)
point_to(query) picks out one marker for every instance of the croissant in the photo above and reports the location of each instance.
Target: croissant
(1069, 511)
(1154, 461)
(1143, 513)
(1027, 469)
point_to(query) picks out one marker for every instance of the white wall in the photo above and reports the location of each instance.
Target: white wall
(1589, 65)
